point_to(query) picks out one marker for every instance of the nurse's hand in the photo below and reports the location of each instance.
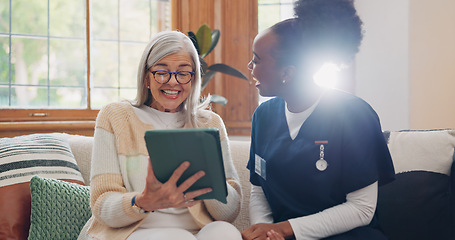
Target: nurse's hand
(157, 195)
(265, 231)
(272, 235)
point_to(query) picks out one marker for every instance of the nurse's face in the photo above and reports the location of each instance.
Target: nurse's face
(264, 68)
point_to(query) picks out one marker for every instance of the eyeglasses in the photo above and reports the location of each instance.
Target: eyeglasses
(163, 76)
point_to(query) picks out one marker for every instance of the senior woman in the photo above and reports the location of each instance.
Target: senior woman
(127, 200)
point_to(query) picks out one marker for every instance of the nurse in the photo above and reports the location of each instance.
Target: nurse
(317, 155)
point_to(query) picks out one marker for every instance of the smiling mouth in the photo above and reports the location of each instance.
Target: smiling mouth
(171, 93)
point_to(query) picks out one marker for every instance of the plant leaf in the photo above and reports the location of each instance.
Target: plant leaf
(204, 39)
(206, 79)
(204, 65)
(194, 40)
(218, 99)
(215, 37)
(223, 68)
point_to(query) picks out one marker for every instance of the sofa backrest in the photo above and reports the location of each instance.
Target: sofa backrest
(81, 146)
(419, 203)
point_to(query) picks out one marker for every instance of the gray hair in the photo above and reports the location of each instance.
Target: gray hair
(161, 45)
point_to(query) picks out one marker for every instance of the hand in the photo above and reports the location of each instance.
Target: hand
(268, 231)
(257, 231)
(157, 195)
(272, 235)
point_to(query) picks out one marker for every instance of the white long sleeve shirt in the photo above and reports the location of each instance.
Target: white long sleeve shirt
(358, 210)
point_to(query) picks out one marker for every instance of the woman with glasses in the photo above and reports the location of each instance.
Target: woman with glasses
(317, 155)
(127, 200)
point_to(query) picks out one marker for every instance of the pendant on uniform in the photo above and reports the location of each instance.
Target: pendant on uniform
(321, 164)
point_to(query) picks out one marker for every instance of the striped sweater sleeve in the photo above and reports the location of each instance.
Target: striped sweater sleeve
(109, 200)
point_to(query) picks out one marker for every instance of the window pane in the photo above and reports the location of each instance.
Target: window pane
(67, 62)
(4, 16)
(29, 66)
(63, 97)
(273, 11)
(4, 60)
(29, 96)
(29, 61)
(130, 55)
(104, 64)
(4, 96)
(104, 19)
(134, 20)
(29, 17)
(103, 96)
(128, 94)
(67, 18)
(268, 15)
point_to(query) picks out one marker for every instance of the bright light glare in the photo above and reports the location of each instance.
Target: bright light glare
(327, 76)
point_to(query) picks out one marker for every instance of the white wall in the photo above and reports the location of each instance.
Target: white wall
(382, 64)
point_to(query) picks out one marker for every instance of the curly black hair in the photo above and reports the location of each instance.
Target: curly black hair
(329, 30)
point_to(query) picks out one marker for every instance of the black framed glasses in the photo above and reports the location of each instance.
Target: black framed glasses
(163, 76)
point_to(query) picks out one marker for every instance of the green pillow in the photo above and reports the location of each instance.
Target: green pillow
(59, 209)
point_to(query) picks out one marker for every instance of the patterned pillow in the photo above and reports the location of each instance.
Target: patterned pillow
(59, 209)
(46, 155)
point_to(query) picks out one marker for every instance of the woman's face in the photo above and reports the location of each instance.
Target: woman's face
(264, 68)
(169, 96)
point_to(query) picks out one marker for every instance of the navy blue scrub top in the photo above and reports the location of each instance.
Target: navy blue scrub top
(354, 148)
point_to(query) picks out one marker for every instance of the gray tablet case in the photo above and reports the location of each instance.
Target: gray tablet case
(200, 146)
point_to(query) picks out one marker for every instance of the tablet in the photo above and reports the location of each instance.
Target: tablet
(200, 146)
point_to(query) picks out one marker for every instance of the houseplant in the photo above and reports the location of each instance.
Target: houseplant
(205, 40)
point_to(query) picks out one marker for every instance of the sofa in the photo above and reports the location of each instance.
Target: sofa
(419, 204)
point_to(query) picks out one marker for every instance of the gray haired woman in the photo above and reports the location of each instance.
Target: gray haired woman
(127, 200)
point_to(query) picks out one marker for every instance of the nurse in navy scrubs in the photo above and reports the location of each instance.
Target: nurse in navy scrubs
(317, 155)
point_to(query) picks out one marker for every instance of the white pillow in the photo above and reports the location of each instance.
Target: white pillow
(425, 150)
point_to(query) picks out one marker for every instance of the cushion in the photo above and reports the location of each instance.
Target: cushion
(15, 211)
(59, 209)
(47, 155)
(21, 158)
(417, 205)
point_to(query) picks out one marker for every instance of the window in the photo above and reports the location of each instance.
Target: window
(119, 32)
(51, 57)
(273, 11)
